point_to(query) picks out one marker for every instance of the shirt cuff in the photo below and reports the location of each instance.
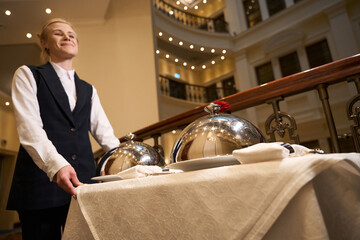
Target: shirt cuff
(55, 164)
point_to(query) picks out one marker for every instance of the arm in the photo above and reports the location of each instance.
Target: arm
(30, 128)
(100, 126)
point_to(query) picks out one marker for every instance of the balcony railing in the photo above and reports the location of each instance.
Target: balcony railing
(319, 78)
(191, 20)
(191, 92)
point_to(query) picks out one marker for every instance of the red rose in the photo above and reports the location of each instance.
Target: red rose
(224, 106)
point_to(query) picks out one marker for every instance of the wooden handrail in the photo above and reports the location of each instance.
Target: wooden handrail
(331, 73)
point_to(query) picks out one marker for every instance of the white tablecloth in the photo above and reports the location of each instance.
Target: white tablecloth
(309, 197)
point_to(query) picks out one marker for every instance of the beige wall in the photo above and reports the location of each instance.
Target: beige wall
(8, 131)
(117, 57)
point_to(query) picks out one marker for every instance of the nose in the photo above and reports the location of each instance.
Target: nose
(66, 37)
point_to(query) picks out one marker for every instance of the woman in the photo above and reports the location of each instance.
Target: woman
(54, 110)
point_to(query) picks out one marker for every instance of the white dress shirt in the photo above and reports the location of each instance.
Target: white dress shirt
(30, 126)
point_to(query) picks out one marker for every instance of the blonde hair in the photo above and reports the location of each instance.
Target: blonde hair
(45, 55)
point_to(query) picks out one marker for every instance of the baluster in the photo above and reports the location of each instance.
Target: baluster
(167, 87)
(191, 93)
(195, 93)
(203, 95)
(188, 90)
(210, 25)
(281, 126)
(353, 113)
(162, 89)
(324, 97)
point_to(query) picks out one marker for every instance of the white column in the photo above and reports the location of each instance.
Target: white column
(342, 32)
(235, 16)
(276, 68)
(263, 9)
(243, 81)
(289, 3)
(304, 64)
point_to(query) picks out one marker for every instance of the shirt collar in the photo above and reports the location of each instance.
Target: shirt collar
(62, 72)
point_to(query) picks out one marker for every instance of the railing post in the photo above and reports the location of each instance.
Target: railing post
(353, 113)
(324, 97)
(280, 126)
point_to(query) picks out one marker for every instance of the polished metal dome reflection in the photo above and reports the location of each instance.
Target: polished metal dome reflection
(127, 155)
(216, 134)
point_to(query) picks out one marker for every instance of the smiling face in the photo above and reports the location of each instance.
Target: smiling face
(60, 42)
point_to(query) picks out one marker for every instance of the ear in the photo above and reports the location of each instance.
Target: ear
(43, 44)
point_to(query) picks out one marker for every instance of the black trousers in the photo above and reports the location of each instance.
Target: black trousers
(43, 224)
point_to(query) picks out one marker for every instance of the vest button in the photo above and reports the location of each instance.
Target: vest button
(73, 129)
(73, 157)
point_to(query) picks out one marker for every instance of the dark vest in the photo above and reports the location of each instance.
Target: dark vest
(68, 131)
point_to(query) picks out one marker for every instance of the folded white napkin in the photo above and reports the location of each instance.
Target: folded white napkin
(139, 171)
(261, 152)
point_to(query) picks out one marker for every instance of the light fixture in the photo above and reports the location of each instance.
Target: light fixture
(160, 34)
(7, 103)
(185, 8)
(170, 39)
(48, 10)
(203, 66)
(212, 62)
(212, 50)
(190, 3)
(202, 49)
(192, 67)
(29, 35)
(176, 60)
(191, 46)
(196, 7)
(167, 55)
(181, 43)
(222, 57)
(184, 64)
(173, 131)
(7, 12)
(171, 12)
(157, 51)
(224, 51)
(204, 1)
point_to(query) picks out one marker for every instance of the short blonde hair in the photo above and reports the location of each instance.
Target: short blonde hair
(45, 55)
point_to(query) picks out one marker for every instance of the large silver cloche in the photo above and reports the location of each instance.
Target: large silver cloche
(127, 155)
(214, 135)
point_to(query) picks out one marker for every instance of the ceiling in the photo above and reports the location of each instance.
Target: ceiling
(28, 16)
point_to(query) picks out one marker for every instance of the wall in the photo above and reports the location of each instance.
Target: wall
(117, 56)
